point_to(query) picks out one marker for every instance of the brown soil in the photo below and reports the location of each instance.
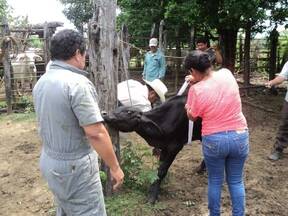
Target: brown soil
(23, 192)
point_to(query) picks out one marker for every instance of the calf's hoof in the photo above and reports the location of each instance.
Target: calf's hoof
(152, 199)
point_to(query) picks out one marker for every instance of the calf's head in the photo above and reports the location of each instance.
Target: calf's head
(125, 119)
(128, 119)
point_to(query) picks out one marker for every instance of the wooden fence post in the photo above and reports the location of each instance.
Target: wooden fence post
(192, 39)
(247, 69)
(101, 33)
(153, 31)
(161, 36)
(6, 46)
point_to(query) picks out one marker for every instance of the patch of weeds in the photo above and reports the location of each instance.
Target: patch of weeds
(3, 104)
(131, 203)
(137, 176)
(25, 103)
(103, 177)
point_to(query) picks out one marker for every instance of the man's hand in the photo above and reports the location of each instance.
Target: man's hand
(268, 85)
(118, 176)
(100, 140)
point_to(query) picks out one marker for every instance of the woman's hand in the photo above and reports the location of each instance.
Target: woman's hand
(190, 79)
(188, 111)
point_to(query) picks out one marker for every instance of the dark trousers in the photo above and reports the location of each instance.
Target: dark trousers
(282, 134)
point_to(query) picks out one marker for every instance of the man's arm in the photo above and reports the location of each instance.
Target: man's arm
(276, 81)
(279, 79)
(101, 142)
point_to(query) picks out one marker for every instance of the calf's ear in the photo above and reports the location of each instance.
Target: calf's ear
(150, 127)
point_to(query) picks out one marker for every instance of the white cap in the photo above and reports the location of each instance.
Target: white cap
(153, 42)
(159, 87)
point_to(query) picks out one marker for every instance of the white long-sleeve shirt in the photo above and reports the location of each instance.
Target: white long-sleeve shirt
(133, 93)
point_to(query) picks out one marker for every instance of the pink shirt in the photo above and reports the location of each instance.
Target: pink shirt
(217, 101)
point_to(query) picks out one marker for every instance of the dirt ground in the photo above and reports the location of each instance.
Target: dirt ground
(23, 192)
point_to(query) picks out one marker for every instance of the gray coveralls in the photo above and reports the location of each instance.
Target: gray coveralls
(282, 135)
(65, 100)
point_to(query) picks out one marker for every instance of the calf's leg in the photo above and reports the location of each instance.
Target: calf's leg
(166, 159)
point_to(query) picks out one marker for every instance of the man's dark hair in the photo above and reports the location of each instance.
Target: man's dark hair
(65, 43)
(198, 60)
(202, 40)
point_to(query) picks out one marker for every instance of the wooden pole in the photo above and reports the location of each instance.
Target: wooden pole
(274, 36)
(178, 61)
(103, 66)
(124, 54)
(6, 46)
(49, 30)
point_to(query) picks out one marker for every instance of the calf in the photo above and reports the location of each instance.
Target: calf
(164, 127)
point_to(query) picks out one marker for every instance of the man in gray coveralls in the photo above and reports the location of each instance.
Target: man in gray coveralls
(70, 126)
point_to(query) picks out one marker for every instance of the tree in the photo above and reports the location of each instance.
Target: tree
(3, 9)
(78, 12)
(139, 16)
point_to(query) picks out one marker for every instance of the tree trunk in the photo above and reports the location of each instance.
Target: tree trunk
(192, 39)
(274, 35)
(228, 39)
(103, 66)
(6, 46)
(246, 75)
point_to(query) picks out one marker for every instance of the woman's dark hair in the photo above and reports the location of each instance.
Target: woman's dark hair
(198, 60)
(202, 40)
(65, 43)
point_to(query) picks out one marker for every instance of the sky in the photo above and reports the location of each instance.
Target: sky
(39, 11)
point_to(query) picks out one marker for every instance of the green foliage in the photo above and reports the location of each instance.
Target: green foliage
(136, 174)
(131, 203)
(19, 22)
(35, 42)
(78, 12)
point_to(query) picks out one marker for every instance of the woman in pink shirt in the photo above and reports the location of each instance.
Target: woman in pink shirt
(214, 97)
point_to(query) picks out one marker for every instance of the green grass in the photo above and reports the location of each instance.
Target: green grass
(18, 117)
(131, 203)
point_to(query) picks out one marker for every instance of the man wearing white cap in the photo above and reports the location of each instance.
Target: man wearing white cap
(154, 62)
(144, 97)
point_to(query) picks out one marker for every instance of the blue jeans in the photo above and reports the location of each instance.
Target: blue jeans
(226, 151)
